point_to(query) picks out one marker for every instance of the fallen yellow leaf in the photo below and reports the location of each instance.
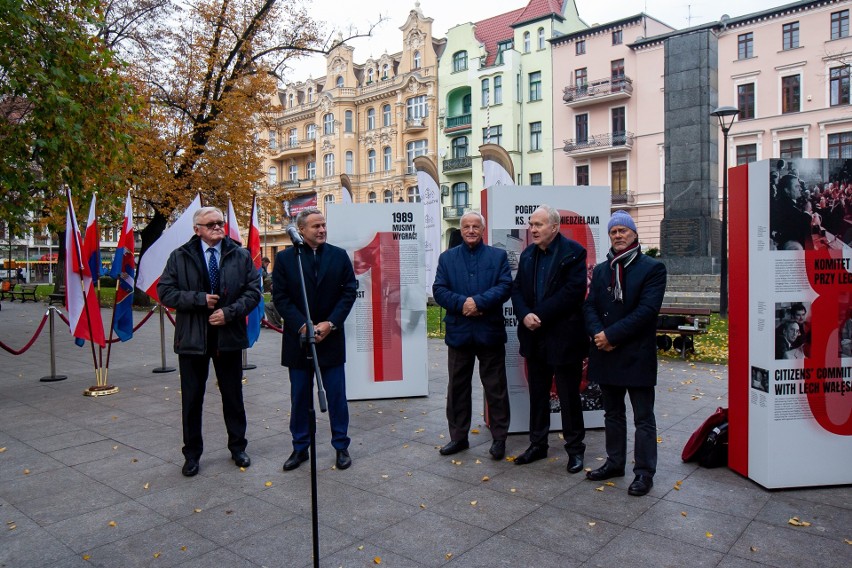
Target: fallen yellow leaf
(847, 541)
(798, 523)
(473, 503)
(11, 525)
(601, 488)
(385, 476)
(111, 523)
(197, 510)
(474, 431)
(610, 484)
(268, 484)
(708, 534)
(591, 524)
(753, 548)
(377, 560)
(115, 447)
(683, 513)
(485, 478)
(183, 548)
(448, 555)
(422, 505)
(3, 449)
(86, 557)
(477, 461)
(404, 445)
(361, 547)
(512, 490)
(146, 486)
(156, 555)
(659, 439)
(26, 472)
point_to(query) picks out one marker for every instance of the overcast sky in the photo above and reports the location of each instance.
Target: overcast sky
(339, 15)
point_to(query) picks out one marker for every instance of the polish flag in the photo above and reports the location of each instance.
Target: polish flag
(81, 299)
(256, 315)
(232, 229)
(123, 270)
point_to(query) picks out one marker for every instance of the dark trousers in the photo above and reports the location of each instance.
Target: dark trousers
(194, 370)
(615, 422)
(541, 376)
(492, 373)
(302, 398)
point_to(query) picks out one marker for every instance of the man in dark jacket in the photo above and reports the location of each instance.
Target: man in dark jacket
(331, 287)
(548, 297)
(213, 285)
(472, 282)
(621, 316)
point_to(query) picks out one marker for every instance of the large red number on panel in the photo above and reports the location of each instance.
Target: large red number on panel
(381, 259)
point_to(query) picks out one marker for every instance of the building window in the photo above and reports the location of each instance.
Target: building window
(619, 125)
(328, 200)
(498, 90)
(386, 115)
(466, 104)
(350, 162)
(293, 137)
(413, 194)
(459, 146)
(328, 164)
(371, 161)
(371, 197)
(311, 132)
(273, 140)
(581, 128)
(541, 38)
(580, 47)
(370, 75)
(839, 24)
(328, 124)
(387, 160)
(790, 35)
(311, 170)
(616, 72)
(527, 42)
(486, 92)
(502, 46)
(387, 196)
(745, 46)
(619, 177)
(417, 60)
(535, 86)
(581, 78)
(746, 153)
(293, 173)
(339, 82)
(535, 179)
(371, 118)
(310, 94)
(290, 100)
(535, 135)
(493, 135)
(840, 145)
(582, 175)
(385, 70)
(460, 61)
(415, 107)
(790, 149)
(347, 121)
(839, 85)
(414, 149)
(745, 100)
(273, 175)
(790, 94)
(617, 37)
(460, 194)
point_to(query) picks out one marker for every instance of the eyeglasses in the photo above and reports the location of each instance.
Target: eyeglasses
(212, 225)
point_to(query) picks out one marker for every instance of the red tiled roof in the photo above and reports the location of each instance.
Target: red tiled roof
(492, 30)
(539, 8)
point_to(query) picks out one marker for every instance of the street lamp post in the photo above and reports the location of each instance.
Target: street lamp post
(726, 116)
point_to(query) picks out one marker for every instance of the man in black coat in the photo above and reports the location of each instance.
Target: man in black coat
(547, 296)
(331, 287)
(212, 283)
(621, 317)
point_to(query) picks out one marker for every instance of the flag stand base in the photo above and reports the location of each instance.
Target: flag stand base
(100, 390)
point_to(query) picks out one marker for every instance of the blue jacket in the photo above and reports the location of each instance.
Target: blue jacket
(481, 273)
(562, 334)
(631, 326)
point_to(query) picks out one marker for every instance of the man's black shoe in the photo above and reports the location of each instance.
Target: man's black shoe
(454, 447)
(606, 471)
(641, 485)
(575, 463)
(190, 467)
(343, 460)
(296, 459)
(498, 449)
(241, 459)
(533, 453)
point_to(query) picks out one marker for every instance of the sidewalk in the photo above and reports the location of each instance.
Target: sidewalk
(97, 482)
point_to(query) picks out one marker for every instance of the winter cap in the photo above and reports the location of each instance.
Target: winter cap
(621, 219)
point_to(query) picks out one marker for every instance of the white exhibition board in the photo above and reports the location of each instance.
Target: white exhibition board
(585, 211)
(386, 330)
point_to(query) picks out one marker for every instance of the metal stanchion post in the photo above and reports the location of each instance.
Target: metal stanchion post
(163, 368)
(52, 377)
(246, 365)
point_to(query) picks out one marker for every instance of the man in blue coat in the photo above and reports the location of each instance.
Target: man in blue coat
(331, 288)
(548, 298)
(472, 282)
(621, 316)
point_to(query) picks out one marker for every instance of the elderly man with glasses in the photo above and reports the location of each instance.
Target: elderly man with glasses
(212, 284)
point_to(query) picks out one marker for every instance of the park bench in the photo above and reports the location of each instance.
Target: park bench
(23, 293)
(57, 297)
(685, 323)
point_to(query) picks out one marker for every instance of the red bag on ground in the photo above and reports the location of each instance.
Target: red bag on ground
(696, 441)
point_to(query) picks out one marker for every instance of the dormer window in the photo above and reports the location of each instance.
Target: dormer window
(417, 61)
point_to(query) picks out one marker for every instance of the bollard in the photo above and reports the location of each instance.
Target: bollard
(52, 377)
(163, 368)
(246, 365)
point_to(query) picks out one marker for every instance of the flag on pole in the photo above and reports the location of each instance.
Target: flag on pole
(256, 315)
(232, 229)
(124, 270)
(81, 300)
(430, 196)
(153, 262)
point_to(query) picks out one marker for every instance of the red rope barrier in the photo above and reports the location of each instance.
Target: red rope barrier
(28, 345)
(136, 327)
(265, 323)
(169, 315)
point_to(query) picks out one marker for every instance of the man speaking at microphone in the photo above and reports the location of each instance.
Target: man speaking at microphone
(331, 288)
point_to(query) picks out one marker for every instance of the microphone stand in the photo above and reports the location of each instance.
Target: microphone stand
(310, 338)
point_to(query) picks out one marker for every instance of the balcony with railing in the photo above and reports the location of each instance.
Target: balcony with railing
(456, 124)
(414, 124)
(290, 150)
(600, 144)
(457, 165)
(455, 211)
(598, 91)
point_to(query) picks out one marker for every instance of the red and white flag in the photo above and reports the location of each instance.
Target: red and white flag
(81, 299)
(152, 263)
(232, 229)
(256, 315)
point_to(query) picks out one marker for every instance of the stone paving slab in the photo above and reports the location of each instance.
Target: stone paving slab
(72, 466)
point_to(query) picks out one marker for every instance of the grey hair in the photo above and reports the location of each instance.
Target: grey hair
(302, 217)
(204, 211)
(477, 214)
(552, 214)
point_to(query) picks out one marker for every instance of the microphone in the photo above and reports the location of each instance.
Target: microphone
(295, 237)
